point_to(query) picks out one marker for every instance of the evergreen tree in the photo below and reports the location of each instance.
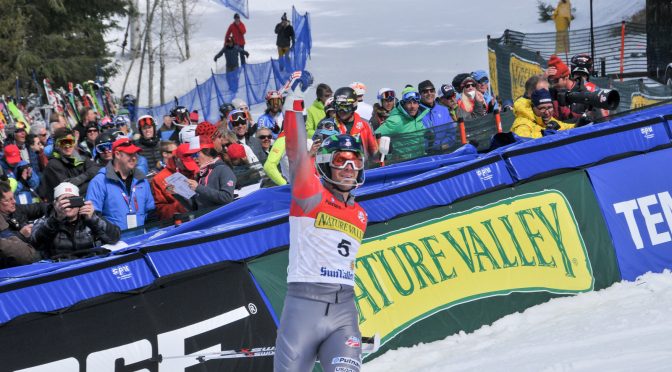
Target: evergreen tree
(59, 39)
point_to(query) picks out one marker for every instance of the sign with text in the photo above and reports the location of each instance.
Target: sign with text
(526, 243)
(635, 195)
(521, 70)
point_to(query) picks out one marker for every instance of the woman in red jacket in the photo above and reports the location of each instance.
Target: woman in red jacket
(237, 31)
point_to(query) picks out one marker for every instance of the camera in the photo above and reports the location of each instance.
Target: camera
(76, 202)
(603, 99)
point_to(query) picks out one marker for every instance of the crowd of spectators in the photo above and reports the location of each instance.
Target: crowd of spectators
(67, 190)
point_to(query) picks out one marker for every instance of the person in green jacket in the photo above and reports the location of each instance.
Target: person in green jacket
(405, 127)
(316, 110)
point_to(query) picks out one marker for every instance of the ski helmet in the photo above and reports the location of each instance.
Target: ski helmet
(581, 63)
(329, 105)
(386, 94)
(128, 100)
(224, 110)
(121, 120)
(345, 100)
(180, 113)
(359, 88)
(273, 96)
(236, 116)
(325, 128)
(328, 157)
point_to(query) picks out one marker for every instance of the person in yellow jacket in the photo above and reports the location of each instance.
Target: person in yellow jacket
(523, 105)
(542, 107)
(562, 15)
(316, 111)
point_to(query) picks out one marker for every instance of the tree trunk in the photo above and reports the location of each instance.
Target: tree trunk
(148, 25)
(150, 86)
(185, 28)
(136, 37)
(162, 55)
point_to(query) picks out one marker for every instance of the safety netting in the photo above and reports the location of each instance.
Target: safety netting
(251, 81)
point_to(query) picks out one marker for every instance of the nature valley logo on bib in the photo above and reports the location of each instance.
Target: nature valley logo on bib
(326, 221)
(528, 243)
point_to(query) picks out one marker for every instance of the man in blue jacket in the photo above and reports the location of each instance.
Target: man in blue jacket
(438, 120)
(120, 190)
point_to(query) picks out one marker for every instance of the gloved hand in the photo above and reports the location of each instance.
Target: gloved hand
(216, 58)
(296, 88)
(553, 125)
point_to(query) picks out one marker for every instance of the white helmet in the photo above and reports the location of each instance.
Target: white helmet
(239, 103)
(187, 133)
(382, 91)
(359, 88)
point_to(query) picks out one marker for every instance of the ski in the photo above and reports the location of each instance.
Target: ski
(225, 354)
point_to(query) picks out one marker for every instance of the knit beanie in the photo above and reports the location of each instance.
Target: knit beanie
(561, 67)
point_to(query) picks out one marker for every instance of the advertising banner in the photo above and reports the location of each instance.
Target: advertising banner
(203, 313)
(492, 64)
(521, 70)
(634, 195)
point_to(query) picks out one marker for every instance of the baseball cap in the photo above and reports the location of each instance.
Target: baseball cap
(65, 188)
(125, 145)
(184, 152)
(479, 75)
(447, 91)
(12, 154)
(193, 116)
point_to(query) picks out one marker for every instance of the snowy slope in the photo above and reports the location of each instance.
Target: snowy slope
(626, 327)
(379, 42)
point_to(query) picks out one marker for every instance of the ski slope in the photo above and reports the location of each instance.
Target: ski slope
(626, 327)
(379, 42)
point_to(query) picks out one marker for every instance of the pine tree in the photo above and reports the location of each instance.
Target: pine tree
(59, 39)
(545, 11)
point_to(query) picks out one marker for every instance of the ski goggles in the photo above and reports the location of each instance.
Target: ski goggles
(341, 159)
(104, 147)
(345, 107)
(237, 118)
(275, 101)
(388, 96)
(327, 124)
(145, 122)
(411, 96)
(66, 142)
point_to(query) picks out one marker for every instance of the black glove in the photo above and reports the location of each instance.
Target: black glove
(276, 129)
(553, 125)
(583, 120)
(216, 58)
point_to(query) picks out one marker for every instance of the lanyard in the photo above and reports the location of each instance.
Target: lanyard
(128, 200)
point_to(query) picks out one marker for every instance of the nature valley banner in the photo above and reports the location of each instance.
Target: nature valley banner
(638, 99)
(526, 243)
(492, 63)
(521, 70)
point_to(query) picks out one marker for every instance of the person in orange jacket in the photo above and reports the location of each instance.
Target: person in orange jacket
(166, 202)
(349, 122)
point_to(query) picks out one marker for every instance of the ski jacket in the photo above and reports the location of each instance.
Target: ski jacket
(73, 169)
(215, 186)
(167, 204)
(469, 109)
(315, 114)
(407, 134)
(150, 151)
(524, 127)
(109, 195)
(442, 126)
(54, 237)
(360, 127)
(325, 231)
(276, 163)
(285, 34)
(16, 252)
(272, 122)
(238, 32)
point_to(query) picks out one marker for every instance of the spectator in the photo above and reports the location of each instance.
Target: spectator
(265, 138)
(167, 151)
(405, 126)
(238, 123)
(483, 86)
(285, 32)
(67, 229)
(349, 122)
(272, 117)
(14, 251)
(364, 110)
(237, 31)
(17, 217)
(54, 126)
(28, 183)
(168, 131)
(87, 116)
(523, 105)
(381, 109)
(224, 110)
(166, 201)
(562, 15)
(123, 123)
(239, 104)
(438, 120)
(20, 139)
(120, 191)
(149, 142)
(543, 122)
(66, 165)
(471, 104)
(86, 147)
(231, 54)
(103, 153)
(448, 98)
(38, 159)
(11, 158)
(316, 111)
(40, 131)
(216, 181)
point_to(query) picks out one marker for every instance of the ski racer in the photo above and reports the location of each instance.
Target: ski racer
(319, 319)
(272, 117)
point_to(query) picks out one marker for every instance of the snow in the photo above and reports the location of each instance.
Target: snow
(391, 43)
(625, 327)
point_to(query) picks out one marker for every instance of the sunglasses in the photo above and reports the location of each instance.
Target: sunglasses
(43, 135)
(327, 126)
(484, 81)
(469, 85)
(104, 147)
(340, 160)
(92, 130)
(428, 91)
(267, 137)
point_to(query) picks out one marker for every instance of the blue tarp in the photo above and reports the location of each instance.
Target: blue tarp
(250, 81)
(258, 223)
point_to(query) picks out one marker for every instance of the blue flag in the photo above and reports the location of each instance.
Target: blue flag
(239, 6)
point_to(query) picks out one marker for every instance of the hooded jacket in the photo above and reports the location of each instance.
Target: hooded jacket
(109, 195)
(407, 134)
(167, 205)
(524, 127)
(72, 169)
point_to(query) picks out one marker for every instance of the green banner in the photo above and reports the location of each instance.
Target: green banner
(424, 276)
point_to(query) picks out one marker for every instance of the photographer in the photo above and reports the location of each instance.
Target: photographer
(71, 226)
(544, 123)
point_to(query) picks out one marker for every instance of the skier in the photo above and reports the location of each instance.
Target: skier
(319, 319)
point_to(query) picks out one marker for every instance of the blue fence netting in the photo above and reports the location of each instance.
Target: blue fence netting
(250, 81)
